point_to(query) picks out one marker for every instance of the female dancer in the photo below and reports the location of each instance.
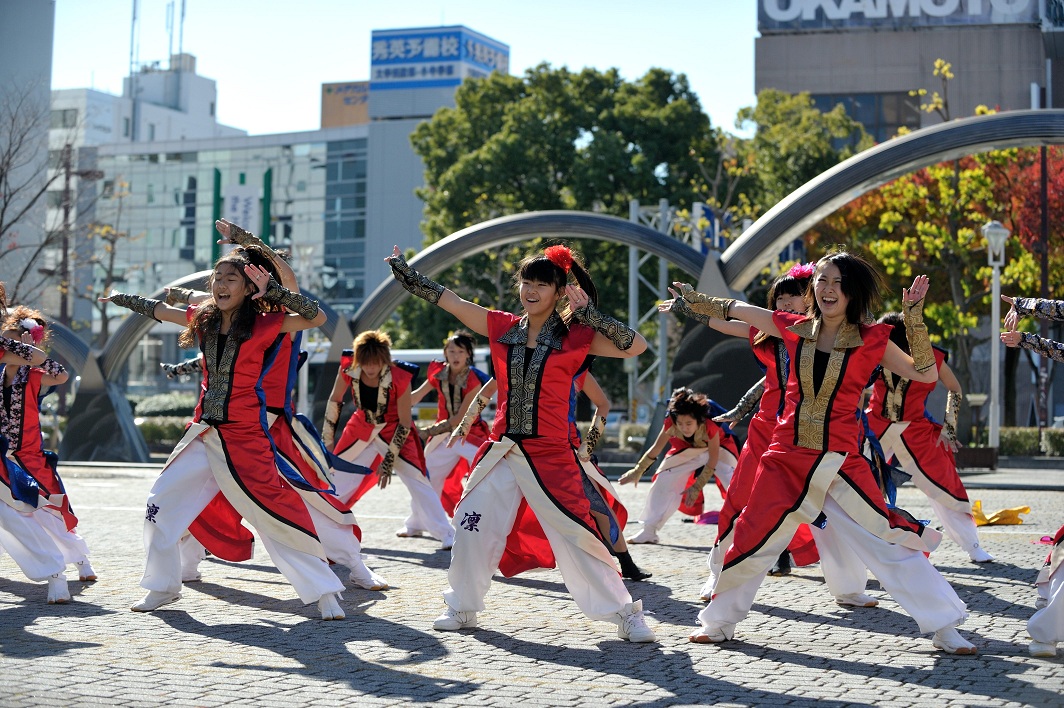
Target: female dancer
(678, 480)
(456, 382)
(813, 464)
(377, 434)
(897, 414)
(30, 546)
(226, 448)
(529, 461)
(21, 425)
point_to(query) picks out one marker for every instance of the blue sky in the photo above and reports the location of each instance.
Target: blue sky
(270, 57)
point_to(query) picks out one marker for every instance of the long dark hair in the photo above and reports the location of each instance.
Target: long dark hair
(861, 284)
(542, 269)
(208, 318)
(897, 332)
(794, 283)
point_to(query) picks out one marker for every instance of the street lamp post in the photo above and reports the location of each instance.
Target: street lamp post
(995, 235)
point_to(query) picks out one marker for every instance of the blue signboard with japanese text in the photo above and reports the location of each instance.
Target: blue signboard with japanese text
(436, 56)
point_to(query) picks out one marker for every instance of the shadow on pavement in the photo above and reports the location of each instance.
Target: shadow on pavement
(15, 640)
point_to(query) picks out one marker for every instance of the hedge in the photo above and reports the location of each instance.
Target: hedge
(175, 403)
(162, 432)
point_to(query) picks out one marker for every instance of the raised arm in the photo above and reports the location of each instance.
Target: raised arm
(1039, 345)
(231, 233)
(1038, 307)
(156, 309)
(719, 309)
(919, 365)
(12, 351)
(468, 313)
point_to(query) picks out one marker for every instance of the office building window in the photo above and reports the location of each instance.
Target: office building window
(151, 131)
(65, 118)
(125, 127)
(881, 114)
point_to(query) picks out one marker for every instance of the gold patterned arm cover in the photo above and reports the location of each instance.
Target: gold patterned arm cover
(949, 422)
(472, 413)
(1045, 347)
(332, 417)
(178, 296)
(715, 307)
(700, 481)
(185, 368)
(682, 307)
(444, 426)
(277, 294)
(141, 305)
(616, 331)
(384, 470)
(16, 347)
(633, 475)
(1043, 309)
(747, 404)
(916, 334)
(591, 438)
(244, 238)
(415, 282)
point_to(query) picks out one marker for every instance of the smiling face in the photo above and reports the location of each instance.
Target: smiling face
(539, 298)
(794, 304)
(686, 424)
(827, 287)
(229, 287)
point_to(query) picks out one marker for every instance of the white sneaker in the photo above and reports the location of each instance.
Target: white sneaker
(632, 625)
(978, 555)
(58, 592)
(856, 600)
(453, 620)
(1045, 649)
(712, 635)
(329, 607)
(154, 600)
(85, 572)
(950, 641)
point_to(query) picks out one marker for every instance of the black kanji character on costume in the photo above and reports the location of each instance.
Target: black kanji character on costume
(470, 521)
(152, 511)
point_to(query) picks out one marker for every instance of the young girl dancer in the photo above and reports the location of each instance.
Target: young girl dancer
(226, 448)
(21, 425)
(897, 414)
(377, 434)
(456, 382)
(813, 464)
(694, 453)
(529, 461)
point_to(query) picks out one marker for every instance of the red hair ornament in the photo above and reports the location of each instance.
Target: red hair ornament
(560, 256)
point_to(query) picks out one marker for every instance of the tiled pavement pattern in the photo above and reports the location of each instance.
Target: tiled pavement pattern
(241, 637)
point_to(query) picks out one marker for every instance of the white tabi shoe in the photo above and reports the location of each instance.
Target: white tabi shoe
(409, 533)
(978, 555)
(58, 592)
(950, 641)
(191, 576)
(373, 582)
(154, 600)
(1042, 649)
(856, 600)
(448, 542)
(644, 536)
(85, 572)
(329, 607)
(632, 625)
(712, 635)
(453, 620)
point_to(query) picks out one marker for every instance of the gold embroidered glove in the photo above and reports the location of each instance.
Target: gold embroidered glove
(136, 303)
(594, 433)
(617, 332)
(715, 307)
(185, 368)
(444, 426)
(332, 417)
(916, 334)
(244, 238)
(178, 296)
(700, 481)
(949, 421)
(384, 470)
(641, 467)
(681, 306)
(472, 413)
(415, 282)
(298, 303)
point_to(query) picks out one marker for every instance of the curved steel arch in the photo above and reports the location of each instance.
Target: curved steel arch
(518, 227)
(69, 346)
(819, 197)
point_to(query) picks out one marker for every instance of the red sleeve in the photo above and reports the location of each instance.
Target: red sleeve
(712, 429)
(499, 322)
(434, 368)
(784, 320)
(401, 379)
(347, 360)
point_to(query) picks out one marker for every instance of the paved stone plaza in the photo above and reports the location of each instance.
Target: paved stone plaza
(241, 637)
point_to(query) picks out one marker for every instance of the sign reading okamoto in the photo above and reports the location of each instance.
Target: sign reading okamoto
(813, 15)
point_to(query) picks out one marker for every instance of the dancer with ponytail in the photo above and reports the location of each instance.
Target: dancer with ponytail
(227, 449)
(813, 465)
(529, 465)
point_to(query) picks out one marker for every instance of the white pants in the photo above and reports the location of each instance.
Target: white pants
(1047, 624)
(426, 510)
(441, 460)
(904, 573)
(178, 496)
(69, 543)
(342, 546)
(30, 546)
(596, 587)
(665, 496)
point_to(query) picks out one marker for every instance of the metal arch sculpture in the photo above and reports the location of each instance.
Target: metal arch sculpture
(100, 425)
(819, 197)
(518, 227)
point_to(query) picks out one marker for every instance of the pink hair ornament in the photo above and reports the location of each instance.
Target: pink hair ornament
(800, 270)
(35, 328)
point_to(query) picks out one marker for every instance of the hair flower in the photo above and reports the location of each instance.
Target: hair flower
(34, 327)
(560, 256)
(802, 270)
